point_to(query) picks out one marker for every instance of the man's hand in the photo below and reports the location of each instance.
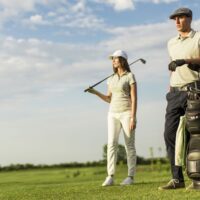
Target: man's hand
(180, 62)
(176, 63)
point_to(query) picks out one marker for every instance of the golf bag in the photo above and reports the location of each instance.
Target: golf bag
(193, 127)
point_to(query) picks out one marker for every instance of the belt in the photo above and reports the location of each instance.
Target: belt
(185, 87)
(178, 89)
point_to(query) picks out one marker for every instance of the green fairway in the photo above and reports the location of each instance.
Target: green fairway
(85, 183)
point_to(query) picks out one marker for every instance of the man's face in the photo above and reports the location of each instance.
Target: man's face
(183, 23)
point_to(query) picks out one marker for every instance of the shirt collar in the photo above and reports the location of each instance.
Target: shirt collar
(190, 35)
(124, 73)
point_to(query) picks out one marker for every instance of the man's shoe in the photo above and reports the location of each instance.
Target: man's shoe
(127, 181)
(108, 182)
(173, 184)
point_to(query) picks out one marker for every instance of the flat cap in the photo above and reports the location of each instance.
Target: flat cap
(181, 11)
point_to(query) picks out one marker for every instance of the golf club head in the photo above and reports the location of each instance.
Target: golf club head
(143, 61)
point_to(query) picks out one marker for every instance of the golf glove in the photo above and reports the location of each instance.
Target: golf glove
(176, 63)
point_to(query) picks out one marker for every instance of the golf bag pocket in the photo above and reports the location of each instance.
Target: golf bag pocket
(193, 121)
(193, 158)
(193, 105)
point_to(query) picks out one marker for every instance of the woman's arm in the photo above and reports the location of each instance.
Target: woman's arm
(133, 93)
(106, 98)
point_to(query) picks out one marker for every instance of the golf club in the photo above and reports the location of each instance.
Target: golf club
(140, 59)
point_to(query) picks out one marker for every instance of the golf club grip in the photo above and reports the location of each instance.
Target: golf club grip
(87, 89)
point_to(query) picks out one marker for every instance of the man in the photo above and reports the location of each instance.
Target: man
(184, 52)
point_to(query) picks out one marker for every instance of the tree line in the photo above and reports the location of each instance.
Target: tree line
(121, 159)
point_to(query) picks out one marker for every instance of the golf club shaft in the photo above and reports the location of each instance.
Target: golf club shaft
(134, 61)
(97, 83)
(140, 59)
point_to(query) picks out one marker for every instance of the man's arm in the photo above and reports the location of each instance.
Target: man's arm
(193, 64)
(192, 61)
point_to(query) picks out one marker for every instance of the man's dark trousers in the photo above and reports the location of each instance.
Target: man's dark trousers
(177, 103)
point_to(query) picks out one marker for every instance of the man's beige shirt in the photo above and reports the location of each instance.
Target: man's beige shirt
(184, 48)
(120, 89)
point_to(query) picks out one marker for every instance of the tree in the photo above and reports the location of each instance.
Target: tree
(121, 154)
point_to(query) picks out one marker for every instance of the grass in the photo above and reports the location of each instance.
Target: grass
(85, 184)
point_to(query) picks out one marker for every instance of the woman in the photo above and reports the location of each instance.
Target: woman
(122, 96)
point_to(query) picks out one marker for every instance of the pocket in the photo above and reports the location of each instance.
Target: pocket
(171, 95)
(167, 96)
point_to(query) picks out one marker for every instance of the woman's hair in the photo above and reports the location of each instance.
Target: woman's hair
(124, 65)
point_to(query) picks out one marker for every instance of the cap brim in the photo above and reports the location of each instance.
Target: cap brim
(178, 14)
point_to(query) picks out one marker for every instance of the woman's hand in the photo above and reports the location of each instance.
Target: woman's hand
(106, 98)
(132, 124)
(92, 91)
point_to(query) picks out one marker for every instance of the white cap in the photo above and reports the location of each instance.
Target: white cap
(119, 53)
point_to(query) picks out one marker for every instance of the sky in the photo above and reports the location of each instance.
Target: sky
(51, 50)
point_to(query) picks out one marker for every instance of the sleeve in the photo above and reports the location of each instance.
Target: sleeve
(131, 78)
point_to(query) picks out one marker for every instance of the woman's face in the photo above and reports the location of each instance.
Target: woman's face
(115, 62)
